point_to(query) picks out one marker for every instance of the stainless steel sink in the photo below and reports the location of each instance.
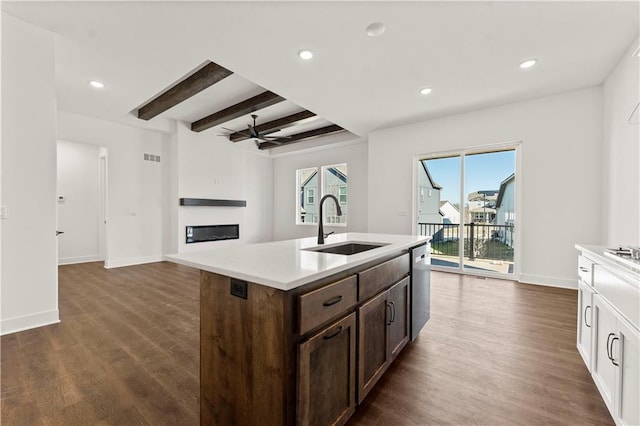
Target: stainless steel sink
(347, 248)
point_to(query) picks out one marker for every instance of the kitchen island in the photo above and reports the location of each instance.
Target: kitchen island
(291, 335)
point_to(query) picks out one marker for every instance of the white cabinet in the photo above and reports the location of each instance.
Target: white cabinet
(628, 352)
(608, 335)
(585, 322)
(616, 366)
(604, 370)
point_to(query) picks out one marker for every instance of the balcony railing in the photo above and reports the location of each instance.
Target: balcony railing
(481, 241)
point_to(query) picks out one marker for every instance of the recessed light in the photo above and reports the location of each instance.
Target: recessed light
(96, 84)
(305, 54)
(527, 64)
(426, 90)
(376, 29)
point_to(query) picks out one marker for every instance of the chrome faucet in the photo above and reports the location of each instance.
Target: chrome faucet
(321, 234)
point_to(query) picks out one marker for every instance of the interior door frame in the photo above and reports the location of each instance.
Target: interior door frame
(103, 197)
(462, 152)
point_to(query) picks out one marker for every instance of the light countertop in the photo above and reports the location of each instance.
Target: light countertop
(624, 263)
(285, 266)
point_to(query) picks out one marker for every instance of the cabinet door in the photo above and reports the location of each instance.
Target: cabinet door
(399, 322)
(626, 351)
(585, 322)
(327, 375)
(604, 370)
(373, 356)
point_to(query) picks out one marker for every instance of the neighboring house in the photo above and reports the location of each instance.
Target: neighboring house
(428, 196)
(449, 212)
(309, 198)
(482, 206)
(335, 182)
(505, 209)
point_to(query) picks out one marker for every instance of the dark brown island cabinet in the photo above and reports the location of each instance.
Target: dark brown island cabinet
(306, 356)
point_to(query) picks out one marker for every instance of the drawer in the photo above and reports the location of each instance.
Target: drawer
(622, 292)
(585, 270)
(373, 280)
(323, 304)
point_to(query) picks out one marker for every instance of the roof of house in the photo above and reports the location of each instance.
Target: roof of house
(503, 187)
(338, 171)
(442, 203)
(308, 178)
(433, 183)
(486, 194)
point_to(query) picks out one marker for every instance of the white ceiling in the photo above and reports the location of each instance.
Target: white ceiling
(467, 52)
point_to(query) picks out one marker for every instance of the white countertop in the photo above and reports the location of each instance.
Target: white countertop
(628, 265)
(283, 265)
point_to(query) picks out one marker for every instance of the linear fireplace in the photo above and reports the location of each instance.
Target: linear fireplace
(201, 234)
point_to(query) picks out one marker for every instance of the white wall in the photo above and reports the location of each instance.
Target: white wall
(284, 195)
(561, 174)
(210, 166)
(622, 148)
(29, 265)
(137, 193)
(78, 214)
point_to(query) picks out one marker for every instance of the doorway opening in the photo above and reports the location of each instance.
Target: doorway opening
(81, 202)
(466, 201)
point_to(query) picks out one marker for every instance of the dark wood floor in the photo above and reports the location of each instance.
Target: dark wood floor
(126, 352)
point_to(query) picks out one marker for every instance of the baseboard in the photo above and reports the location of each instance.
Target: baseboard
(79, 259)
(109, 264)
(549, 281)
(13, 325)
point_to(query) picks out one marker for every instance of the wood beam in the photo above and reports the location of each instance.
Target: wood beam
(205, 77)
(247, 106)
(274, 126)
(334, 128)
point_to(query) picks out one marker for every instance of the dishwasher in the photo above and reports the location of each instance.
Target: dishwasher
(420, 288)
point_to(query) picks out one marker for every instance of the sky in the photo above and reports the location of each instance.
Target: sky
(483, 172)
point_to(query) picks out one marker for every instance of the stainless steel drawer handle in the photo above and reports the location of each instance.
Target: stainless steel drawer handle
(613, 360)
(608, 347)
(332, 301)
(585, 316)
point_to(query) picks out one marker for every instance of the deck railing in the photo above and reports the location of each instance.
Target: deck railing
(481, 241)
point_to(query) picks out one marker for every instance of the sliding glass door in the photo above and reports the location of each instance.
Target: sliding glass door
(466, 203)
(438, 205)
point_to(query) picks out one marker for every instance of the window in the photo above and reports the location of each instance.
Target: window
(307, 184)
(342, 194)
(311, 196)
(314, 183)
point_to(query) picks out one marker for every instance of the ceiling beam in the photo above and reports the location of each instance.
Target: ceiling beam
(274, 126)
(300, 136)
(205, 77)
(247, 106)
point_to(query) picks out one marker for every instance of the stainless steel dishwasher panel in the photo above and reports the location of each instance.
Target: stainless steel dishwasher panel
(420, 288)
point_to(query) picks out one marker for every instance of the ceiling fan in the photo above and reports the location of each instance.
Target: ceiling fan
(254, 133)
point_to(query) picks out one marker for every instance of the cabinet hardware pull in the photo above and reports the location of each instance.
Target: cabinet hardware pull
(613, 361)
(332, 335)
(393, 311)
(332, 301)
(585, 315)
(583, 269)
(609, 338)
